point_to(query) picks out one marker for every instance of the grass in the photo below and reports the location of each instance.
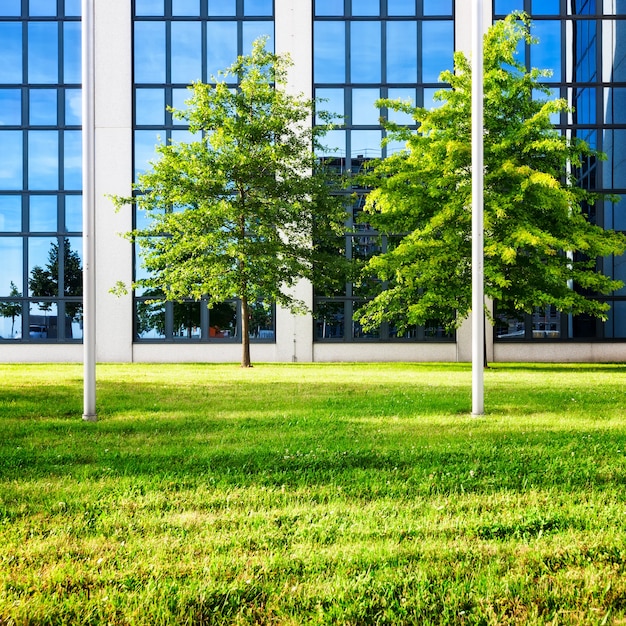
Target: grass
(313, 494)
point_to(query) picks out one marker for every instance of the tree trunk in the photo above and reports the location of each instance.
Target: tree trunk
(245, 335)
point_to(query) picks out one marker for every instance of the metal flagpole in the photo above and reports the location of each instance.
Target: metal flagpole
(89, 249)
(478, 314)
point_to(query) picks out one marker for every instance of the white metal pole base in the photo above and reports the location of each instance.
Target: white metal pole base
(90, 418)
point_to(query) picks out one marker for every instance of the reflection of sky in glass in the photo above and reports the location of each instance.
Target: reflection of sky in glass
(71, 52)
(402, 52)
(76, 247)
(186, 7)
(547, 53)
(11, 159)
(184, 136)
(37, 8)
(10, 52)
(43, 52)
(10, 107)
(364, 113)
(10, 8)
(73, 214)
(437, 48)
(401, 7)
(186, 52)
(504, 7)
(72, 161)
(429, 98)
(150, 107)
(438, 7)
(366, 143)
(11, 266)
(73, 107)
(148, 7)
(545, 7)
(10, 213)
(254, 30)
(403, 94)
(43, 214)
(257, 7)
(221, 46)
(145, 142)
(334, 143)
(334, 102)
(149, 53)
(222, 7)
(72, 8)
(328, 7)
(42, 309)
(365, 52)
(39, 253)
(43, 107)
(179, 96)
(43, 159)
(329, 52)
(365, 7)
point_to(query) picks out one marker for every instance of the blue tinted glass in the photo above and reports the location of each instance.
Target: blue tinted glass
(437, 49)
(42, 7)
(43, 159)
(11, 268)
(145, 143)
(438, 7)
(74, 286)
(401, 7)
(333, 103)
(402, 52)
(615, 105)
(179, 96)
(73, 107)
(586, 65)
(547, 53)
(10, 213)
(186, 7)
(253, 30)
(43, 107)
(588, 7)
(405, 94)
(150, 107)
(148, 7)
(334, 144)
(545, 7)
(364, 111)
(504, 7)
(71, 52)
(72, 8)
(365, 52)
(365, 7)
(221, 46)
(149, 52)
(73, 214)
(329, 52)
(257, 7)
(366, 144)
(72, 160)
(43, 52)
(39, 249)
(10, 8)
(10, 52)
(328, 7)
(11, 159)
(43, 214)
(222, 7)
(10, 107)
(186, 52)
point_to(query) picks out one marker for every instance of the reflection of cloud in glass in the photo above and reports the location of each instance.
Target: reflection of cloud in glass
(186, 7)
(365, 51)
(43, 159)
(254, 30)
(221, 46)
(10, 213)
(11, 266)
(72, 162)
(437, 49)
(363, 110)
(186, 66)
(145, 142)
(71, 52)
(11, 159)
(222, 7)
(10, 52)
(149, 52)
(257, 7)
(402, 52)
(10, 107)
(329, 52)
(73, 106)
(43, 52)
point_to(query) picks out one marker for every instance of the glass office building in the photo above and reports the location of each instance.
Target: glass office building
(348, 52)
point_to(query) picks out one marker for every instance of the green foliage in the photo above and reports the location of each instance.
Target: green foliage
(538, 240)
(235, 212)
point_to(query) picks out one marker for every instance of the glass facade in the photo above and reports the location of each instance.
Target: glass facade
(582, 43)
(364, 50)
(176, 43)
(40, 171)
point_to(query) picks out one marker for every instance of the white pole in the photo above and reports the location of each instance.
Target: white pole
(89, 249)
(478, 315)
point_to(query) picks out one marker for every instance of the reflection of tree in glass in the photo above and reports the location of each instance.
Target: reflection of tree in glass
(44, 282)
(12, 309)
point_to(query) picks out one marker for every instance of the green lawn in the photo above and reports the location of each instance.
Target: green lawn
(313, 494)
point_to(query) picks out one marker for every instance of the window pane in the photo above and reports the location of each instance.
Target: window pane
(186, 320)
(148, 7)
(149, 52)
(10, 52)
(257, 7)
(364, 112)
(43, 107)
(72, 161)
(11, 319)
(43, 214)
(73, 107)
(221, 46)
(73, 266)
(504, 7)
(437, 49)
(223, 320)
(401, 7)
(547, 53)
(72, 8)
(11, 166)
(43, 320)
(615, 105)
(329, 320)
(329, 52)
(43, 279)
(365, 50)
(586, 66)
(328, 7)
(38, 8)
(254, 30)
(333, 143)
(10, 8)
(222, 7)
(333, 102)
(366, 144)
(401, 52)
(43, 159)
(179, 97)
(10, 213)
(145, 142)
(403, 94)
(615, 326)
(545, 7)
(73, 320)
(10, 107)
(186, 52)
(261, 321)
(11, 268)
(186, 7)
(150, 107)
(43, 52)
(71, 53)
(73, 214)
(150, 320)
(438, 7)
(365, 7)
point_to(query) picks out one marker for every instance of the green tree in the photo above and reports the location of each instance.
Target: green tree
(12, 309)
(538, 240)
(241, 211)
